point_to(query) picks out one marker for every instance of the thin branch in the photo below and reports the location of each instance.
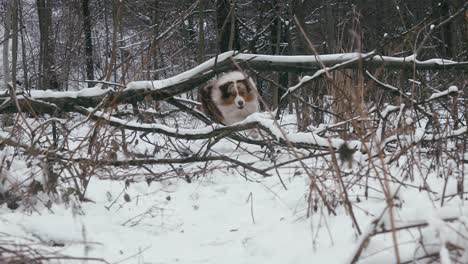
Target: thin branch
(140, 162)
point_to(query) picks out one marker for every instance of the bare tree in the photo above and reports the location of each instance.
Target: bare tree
(201, 31)
(227, 26)
(8, 7)
(47, 68)
(88, 42)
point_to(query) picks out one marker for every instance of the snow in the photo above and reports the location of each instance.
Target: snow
(409, 121)
(414, 81)
(229, 215)
(168, 129)
(88, 92)
(389, 109)
(450, 90)
(195, 226)
(220, 217)
(453, 89)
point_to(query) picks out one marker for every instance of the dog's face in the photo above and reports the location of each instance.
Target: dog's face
(238, 92)
(229, 98)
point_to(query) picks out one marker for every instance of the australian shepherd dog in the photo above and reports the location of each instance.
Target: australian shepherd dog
(230, 98)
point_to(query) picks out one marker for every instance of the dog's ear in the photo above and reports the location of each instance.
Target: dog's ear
(205, 92)
(208, 106)
(204, 95)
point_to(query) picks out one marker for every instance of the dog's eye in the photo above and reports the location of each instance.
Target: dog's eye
(224, 88)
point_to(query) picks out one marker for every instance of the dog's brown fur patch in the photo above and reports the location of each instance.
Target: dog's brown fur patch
(208, 106)
(249, 97)
(229, 100)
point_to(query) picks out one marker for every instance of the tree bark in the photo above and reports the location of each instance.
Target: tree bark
(6, 44)
(330, 27)
(14, 48)
(116, 18)
(275, 42)
(88, 42)
(456, 30)
(228, 30)
(26, 83)
(47, 67)
(201, 31)
(154, 49)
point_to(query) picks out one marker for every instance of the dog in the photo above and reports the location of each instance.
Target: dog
(230, 98)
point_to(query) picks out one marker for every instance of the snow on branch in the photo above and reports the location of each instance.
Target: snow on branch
(301, 63)
(260, 121)
(182, 133)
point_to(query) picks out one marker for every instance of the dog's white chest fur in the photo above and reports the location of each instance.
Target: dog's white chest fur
(233, 115)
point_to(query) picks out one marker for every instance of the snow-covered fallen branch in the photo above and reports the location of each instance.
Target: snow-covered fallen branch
(260, 121)
(65, 101)
(182, 133)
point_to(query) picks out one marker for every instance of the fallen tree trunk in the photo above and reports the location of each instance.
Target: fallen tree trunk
(41, 102)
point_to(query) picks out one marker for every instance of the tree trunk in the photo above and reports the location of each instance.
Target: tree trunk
(228, 30)
(14, 48)
(275, 34)
(330, 27)
(88, 42)
(278, 36)
(190, 29)
(298, 12)
(26, 84)
(6, 44)
(456, 30)
(154, 49)
(47, 70)
(201, 31)
(116, 17)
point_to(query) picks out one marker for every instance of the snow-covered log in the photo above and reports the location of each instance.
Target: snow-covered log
(47, 101)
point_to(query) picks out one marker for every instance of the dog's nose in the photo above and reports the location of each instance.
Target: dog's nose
(240, 104)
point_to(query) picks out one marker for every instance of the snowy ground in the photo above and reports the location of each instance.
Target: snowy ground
(221, 217)
(218, 219)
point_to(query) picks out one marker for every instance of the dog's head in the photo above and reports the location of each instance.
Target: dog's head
(236, 88)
